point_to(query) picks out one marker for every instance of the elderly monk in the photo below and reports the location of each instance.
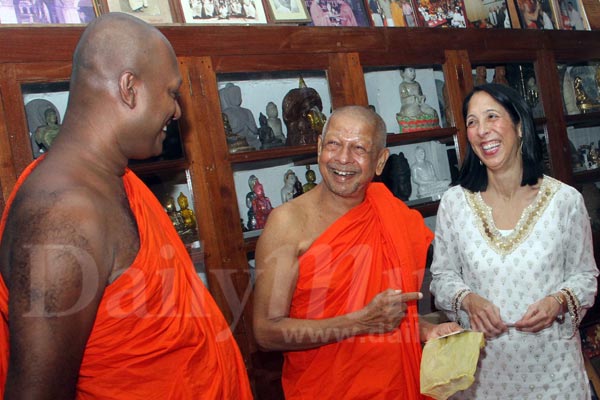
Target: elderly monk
(98, 296)
(338, 274)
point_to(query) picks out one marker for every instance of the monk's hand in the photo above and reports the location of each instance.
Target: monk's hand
(484, 315)
(539, 315)
(385, 311)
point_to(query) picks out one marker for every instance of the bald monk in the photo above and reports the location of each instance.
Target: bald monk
(338, 292)
(104, 301)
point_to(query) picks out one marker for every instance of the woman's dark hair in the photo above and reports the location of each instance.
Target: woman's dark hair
(473, 174)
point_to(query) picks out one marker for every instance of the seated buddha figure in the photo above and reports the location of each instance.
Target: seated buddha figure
(415, 114)
(423, 175)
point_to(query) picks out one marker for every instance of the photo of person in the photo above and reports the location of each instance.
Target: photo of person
(224, 11)
(46, 11)
(490, 14)
(337, 13)
(287, 11)
(152, 11)
(441, 13)
(571, 16)
(392, 13)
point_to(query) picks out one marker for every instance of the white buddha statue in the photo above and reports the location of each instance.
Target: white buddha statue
(424, 177)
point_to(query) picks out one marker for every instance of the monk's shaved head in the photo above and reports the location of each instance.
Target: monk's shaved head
(113, 43)
(368, 116)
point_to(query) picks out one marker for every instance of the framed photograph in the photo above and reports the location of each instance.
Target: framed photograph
(441, 13)
(151, 11)
(488, 14)
(592, 12)
(47, 12)
(286, 11)
(571, 15)
(224, 11)
(537, 14)
(338, 13)
(392, 13)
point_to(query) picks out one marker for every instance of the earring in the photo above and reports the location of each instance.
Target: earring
(480, 163)
(521, 145)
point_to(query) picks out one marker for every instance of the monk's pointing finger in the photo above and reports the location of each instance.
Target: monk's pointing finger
(412, 296)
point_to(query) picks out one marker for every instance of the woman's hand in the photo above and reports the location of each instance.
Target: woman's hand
(540, 315)
(483, 315)
(430, 331)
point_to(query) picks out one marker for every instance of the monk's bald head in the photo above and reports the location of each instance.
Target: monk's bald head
(367, 116)
(116, 42)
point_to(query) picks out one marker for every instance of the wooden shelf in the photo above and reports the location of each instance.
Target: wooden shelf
(164, 166)
(583, 120)
(441, 134)
(591, 175)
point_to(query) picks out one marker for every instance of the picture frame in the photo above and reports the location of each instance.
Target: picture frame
(592, 12)
(441, 14)
(48, 12)
(338, 13)
(571, 15)
(151, 11)
(287, 11)
(538, 14)
(488, 14)
(398, 13)
(223, 12)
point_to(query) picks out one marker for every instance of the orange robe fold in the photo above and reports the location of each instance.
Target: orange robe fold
(377, 245)
(158, 333)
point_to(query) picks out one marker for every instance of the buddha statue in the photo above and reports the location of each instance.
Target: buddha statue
(396, 176)
(236, 143)
(240, 119)
(274, 121)
(415, 114)
(423, 175)
(189, 219)
(261, 205)
(45, 134)
(303, 116)
(252, 179)
(266, 135)
(288, 191)
(311, 177)
(174, 215)
(583, 101)
(298, 189)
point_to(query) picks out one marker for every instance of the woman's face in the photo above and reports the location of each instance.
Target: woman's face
(495, 139)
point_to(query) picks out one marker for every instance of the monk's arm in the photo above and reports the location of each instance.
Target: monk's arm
(276, 275)
(57, 270)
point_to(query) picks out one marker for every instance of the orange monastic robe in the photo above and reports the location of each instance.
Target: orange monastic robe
(158, 333)
(377, 245)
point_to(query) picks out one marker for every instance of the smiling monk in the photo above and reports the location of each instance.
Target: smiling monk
(339, 271)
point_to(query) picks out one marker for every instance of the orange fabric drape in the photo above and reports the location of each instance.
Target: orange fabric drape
(379, 244)
(158, 333)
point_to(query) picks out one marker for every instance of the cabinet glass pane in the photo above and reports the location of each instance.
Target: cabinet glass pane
(278, 187)
(520, 77)
(584, 143)
(580, 86)
(45, 105)
(419, 173)
(273, 109)
(173, 189)
(408, 99)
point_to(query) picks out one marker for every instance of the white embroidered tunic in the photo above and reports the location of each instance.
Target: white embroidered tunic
(549, 249)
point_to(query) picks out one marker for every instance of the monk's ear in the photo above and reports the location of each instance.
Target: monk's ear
(128, 88)
(319, 142)
(381, 160)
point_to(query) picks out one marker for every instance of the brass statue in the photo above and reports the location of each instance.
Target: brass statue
(302, 114)
(583, 101)
(311, 177)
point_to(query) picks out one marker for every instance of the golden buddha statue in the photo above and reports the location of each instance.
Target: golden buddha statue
(189, 219)
(583, 101)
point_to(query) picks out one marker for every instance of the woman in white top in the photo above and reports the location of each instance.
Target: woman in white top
(513, 257)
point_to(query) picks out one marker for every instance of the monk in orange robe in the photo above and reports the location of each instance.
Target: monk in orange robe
(338, 274)
(98, 296)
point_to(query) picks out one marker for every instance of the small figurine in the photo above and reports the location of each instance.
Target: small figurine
(261, 206)
(480, 75)
(414, 114)
(266, 135)
(298, 189)
(45, 134)
(274, 121)
(189, 219)
(583, 101)
(500, 75)
(174, 215)
(311, 177)
(252, 179)
(288, 191)
(236, 143)
(424, 176)
(396, 176)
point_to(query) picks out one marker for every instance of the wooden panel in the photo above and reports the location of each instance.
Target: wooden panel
(546, 72)
(346, 80)
(7, 168)
(459, 82)
(214, 194)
